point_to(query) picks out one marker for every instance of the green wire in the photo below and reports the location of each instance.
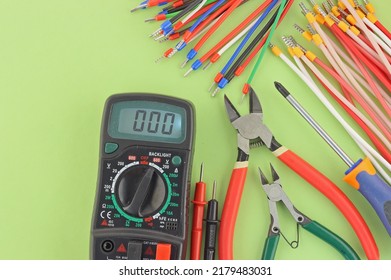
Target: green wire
(261, 55)
(168, 16)
(171, 15)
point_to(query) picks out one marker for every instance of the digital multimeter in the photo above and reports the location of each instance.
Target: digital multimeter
(142, 197)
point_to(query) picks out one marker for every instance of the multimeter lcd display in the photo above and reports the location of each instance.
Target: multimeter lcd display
(147, 121)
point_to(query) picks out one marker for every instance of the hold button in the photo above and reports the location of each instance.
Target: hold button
(176, 160)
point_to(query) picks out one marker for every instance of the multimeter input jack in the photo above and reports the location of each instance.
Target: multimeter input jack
(107, 246)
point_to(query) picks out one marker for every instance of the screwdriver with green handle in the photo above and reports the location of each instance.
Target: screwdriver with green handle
(361, 175)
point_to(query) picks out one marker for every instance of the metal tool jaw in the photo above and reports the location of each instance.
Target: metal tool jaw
(275, 193)
(250, 127)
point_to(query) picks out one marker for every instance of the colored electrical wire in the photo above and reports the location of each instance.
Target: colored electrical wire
(354, 54)
(193, 52)
(226, 74)
(222, 82)
(217, 14)
(198, 63)
(244, 65)
(368, 150)
(334, 55)
(263, 51)
(368, 34)
(188, 34)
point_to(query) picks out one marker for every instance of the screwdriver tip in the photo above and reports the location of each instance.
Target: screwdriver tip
(284, 92)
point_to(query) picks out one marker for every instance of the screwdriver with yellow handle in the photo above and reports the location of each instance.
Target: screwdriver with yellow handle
(361, 175)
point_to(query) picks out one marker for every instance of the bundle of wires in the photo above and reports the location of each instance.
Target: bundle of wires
(357, 52)
(199, 20)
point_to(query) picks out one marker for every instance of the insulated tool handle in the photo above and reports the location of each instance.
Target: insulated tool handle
(335, 195)
(270, 248)
(230, 210)
(363, 177)
(332, 239)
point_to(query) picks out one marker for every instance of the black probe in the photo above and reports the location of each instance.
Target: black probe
(211, 226)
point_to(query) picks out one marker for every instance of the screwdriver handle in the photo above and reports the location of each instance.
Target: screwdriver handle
(363, 177)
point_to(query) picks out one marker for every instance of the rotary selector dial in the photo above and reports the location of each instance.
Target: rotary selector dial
(141, 191)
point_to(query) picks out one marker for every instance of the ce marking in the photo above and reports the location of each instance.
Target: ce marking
(105, 213)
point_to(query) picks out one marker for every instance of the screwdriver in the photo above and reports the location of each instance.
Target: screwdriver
(198, 217)
(211, 226)
(361, 175)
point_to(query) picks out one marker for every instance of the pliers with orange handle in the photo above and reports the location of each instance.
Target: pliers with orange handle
(251, 130)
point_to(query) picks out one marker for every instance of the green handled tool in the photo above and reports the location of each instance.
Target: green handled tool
(361, 175)
(275, 193)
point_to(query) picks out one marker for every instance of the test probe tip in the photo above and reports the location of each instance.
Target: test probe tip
(202, 172)
(214, 189)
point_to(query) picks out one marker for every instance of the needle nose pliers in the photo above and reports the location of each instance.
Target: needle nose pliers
(251, 130)
(275, 194)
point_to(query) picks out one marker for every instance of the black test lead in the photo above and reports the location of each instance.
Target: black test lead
(211, 226)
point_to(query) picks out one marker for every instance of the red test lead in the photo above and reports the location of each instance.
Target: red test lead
(198, 217)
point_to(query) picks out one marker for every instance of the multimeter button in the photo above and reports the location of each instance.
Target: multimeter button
(135, 250)
(163, 251)
(176, 160)
(110, 147)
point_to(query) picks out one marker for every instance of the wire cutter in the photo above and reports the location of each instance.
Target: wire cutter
(275, 194)
(251, 130)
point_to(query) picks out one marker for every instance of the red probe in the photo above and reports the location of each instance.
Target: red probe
(198, 217)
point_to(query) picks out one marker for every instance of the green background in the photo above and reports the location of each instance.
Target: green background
(60, 60)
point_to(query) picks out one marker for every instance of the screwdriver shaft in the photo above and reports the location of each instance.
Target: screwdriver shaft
(295, 104)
